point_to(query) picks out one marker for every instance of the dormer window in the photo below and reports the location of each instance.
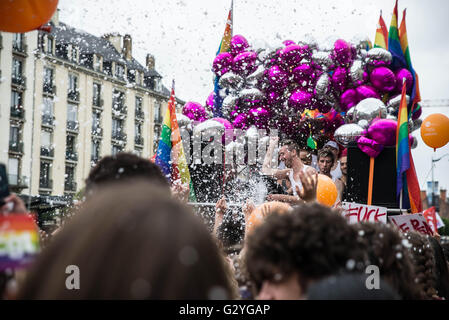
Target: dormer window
(50, 42)
(98, 62)
(119, 71)
(73, 54)
(138, 78)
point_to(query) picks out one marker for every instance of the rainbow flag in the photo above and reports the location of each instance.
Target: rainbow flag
(225, 45)
(170, 155)
(415, 95)
(19, 240)
(394, 44)
(402, 145)
(381, 39)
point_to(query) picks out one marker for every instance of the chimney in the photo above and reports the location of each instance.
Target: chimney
(55, 17)
(115, 39)
(127, 47)
(150, 62)
(443, 195)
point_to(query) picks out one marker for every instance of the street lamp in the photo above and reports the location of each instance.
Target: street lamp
(433, 181)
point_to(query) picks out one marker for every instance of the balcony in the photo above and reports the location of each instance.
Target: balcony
(73, 96)
(120, 136)
(70, 186)
(97, 132)
(140, 114)
(45, 184)
(17, 112)
(98, 103)
(16, 147)
(49, 89)
(71, 155)
(17, 182)
(48, 120)
(157, 119)
(119, 111)
(20, 48)
(72, 126)
(138, 140)
(47, 152)
(18, 81)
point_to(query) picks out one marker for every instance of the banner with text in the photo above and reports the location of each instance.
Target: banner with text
(412, 222)
(356, 212)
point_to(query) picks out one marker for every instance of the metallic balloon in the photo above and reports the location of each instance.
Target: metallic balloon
(363, 123)
(252, 93)
(256, 75)
(348, 133)
(322, 86)
(396, 101)
(208, 125)
(383, 79)
(183, 120)
(350, 114)
(238, 44)
(414, 143)
(376, 55)
(356, 72)
(410, 125)
(230, 101)
(322, 58)
(230, 80)
(360, 41)
(417, 124)
(369, 109)
(391, 117)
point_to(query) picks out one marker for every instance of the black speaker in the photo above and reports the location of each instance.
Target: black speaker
(384, 182)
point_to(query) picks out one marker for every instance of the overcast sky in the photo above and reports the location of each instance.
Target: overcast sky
(184, 35)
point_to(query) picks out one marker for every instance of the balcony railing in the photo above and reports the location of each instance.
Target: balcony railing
(17, 181)
(16, 146)
(140, 114)
(70, 186)
(98, 103)
(18, 80)
(19, 47)
(45, 183)
(47, 152)
(119, 136)
(98, 132)
(138, 140)
(48, 120)
(49, 89)
(157, 119)
(119, 110)
(17, 112)
(73, 95)
(72, 125)
(71, 155)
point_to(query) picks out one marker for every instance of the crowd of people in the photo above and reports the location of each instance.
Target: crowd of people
(136, 237)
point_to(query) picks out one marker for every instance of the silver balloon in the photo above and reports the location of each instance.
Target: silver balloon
(256, 75)
(230, 101)
(379, 54)
(183, 120)
(356, 72)
(350, 115)
(410, 125)
(322, 86)
(252, 93)
(391, 117)
(417, 124)
(230, 80)
(310, 41)
(370, 108)
(414, 143)
(363, 123)
(360, 41)
(322, 58)
(348, 133)
(396, 101)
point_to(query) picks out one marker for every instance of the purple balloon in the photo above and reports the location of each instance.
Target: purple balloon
(348, 99)
(241, 121)
(244, 63)
(342, 53)
(369, 146)
(364, 92)
(238, 44)
(401, 74)
(222, 63)
(260, 117)
(300, 100)
(416, 114)
(288, 42)
(210, 100)
(383, 79)
(303, 72)
(278, 78)
(273, 97)
(383, 132)
(322, 106)
(290, 56)
(339, 79)
(194, 111)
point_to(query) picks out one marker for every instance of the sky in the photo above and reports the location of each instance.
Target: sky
(184, 36)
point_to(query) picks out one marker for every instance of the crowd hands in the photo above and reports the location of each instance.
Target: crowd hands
(135, 237)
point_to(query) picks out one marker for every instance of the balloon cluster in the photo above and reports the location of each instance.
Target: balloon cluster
(341, 90)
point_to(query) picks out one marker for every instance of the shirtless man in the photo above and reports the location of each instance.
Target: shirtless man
(341, 182)
(289, 154)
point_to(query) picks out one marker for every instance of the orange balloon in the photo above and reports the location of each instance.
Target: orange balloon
(263, 211)
(435, 130)
(326, 191)
(25, 15)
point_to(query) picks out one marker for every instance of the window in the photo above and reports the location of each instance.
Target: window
(74, 54)
(95, 151)
(72, 112)
(46, 139)
(138, 128)
(118, 100)
(17, 41)
(156, 135)
(69, 183)
(97, 62)
(73, 83)
(13, 171)
(50, 45)
(48, 107)
(48, 80)
(16, 99)
(139, 103)
(157, 112)
(96, 120)
(14, 135)
(70, 144)
(16, 69)
(44, 175)
(117, 126)
(96, 95)
(119, 71)
(107, 67)
(116, 149)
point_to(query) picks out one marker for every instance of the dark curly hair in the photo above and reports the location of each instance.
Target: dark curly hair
(424, 261)
(386, 249)
(313, 241)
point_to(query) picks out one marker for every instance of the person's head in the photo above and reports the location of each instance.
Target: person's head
(333, 147)
(231, 232)
(131, 241)
(344, 165)
(441, 269)
(124, 166)
(350, 287)
(262, 212)
(326, 160)
(288, 152)
(290, 251)
(305, 156)
(387, 249)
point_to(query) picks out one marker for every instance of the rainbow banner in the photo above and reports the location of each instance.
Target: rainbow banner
(381, 39)
(394, 44)
(402, 144)
(225, 45)
(19, 240)
(170, 156)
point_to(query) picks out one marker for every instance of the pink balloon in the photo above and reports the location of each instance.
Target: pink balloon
(238, 44)
(322, 106)
(300, 100)
(342, 52)
(194, 111)
(383, 132)
(339, 79)
(416, 113)
(383, 79)
(241, 121)
(210, 99)
(364, 92)
(222, 63)
(260, 117)
(229, 134)
(303, 72)
(244, 63)
(401, 74)
(290, 56)
(369, 146)
(273, 97)
(288, 42)
(348, 99)
(278, 78)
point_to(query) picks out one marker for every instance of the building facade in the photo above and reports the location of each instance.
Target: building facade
(69, 98)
